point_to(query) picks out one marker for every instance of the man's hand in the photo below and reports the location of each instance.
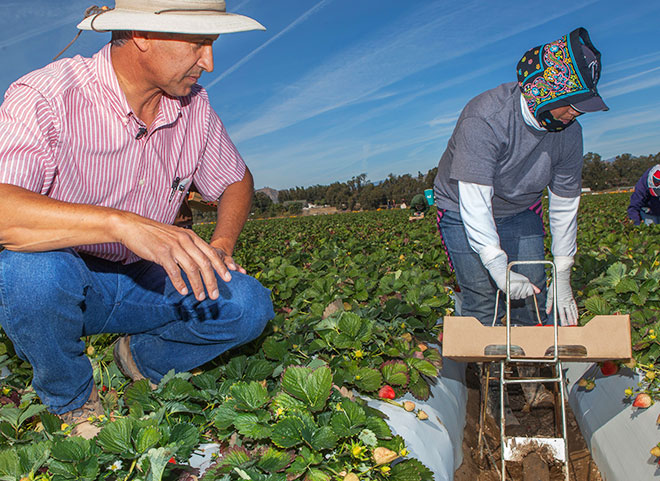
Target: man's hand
(229, 262)
(566, 307)
(520, 286)
(176, 250)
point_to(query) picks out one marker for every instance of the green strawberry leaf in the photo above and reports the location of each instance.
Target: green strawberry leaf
(310, 386)
(274, 460)
(248, 425)
(379, 427)
(147, 438)
(287, 403)
(315, 474)
(395, 373)
(258, 369)
(423, 366)
(348, 419)
(420, 389)
(323, 438)
(287, 432)
(10, 464)
(234, 457)
(116, 437)
(368, 379)
(275, 350)
(249, 396)
(154, 462)
(410, 470)
(223, 417)
(626, 285)
(597, 306)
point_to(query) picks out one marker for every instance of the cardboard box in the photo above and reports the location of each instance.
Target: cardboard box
(602, 338)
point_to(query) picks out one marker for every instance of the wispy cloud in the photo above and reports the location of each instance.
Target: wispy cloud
(625, 85)
(293, 24)
(48, 27)
(613, 133)
(433, 34)
(237, 8)
(634, 62)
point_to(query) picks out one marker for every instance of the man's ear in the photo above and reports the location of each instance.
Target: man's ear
(141, 40)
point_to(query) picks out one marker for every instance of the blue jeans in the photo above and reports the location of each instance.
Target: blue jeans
(52, 299)
(521, 237)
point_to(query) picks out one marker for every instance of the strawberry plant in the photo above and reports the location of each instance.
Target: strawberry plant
(357, 300)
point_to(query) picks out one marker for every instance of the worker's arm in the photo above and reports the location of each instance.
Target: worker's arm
(562, 214)
(638, 199)
(475, 206)
(233, 210)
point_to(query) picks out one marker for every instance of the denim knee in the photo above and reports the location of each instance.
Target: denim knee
(254, 302)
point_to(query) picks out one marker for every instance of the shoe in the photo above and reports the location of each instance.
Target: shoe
(536, 394)
(543, 398)
(82, 418)
(125, 362)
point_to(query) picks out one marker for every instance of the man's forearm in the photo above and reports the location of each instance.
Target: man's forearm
(32, 222)
(233, 210)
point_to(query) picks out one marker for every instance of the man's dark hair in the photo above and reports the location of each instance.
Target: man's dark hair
(120, 37)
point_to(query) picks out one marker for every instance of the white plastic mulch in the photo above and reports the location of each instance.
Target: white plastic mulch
(619, 436)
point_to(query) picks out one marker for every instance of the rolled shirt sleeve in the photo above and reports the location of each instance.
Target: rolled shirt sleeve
(221, 165)
(28, 140)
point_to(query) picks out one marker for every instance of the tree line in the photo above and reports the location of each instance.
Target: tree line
(361, 193)
(624, 171)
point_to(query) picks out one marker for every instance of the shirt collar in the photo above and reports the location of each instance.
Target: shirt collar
(170, 108)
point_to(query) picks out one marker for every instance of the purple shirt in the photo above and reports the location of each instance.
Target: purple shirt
(641, 198)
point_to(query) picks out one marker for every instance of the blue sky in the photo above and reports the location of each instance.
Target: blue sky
(336, 88)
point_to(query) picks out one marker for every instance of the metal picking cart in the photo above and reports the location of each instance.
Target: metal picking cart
(514, 448)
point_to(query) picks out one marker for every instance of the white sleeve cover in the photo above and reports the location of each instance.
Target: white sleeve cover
(476, 209)
(562, 213)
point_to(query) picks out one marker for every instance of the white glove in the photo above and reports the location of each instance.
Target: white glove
(519, 286)
(566, 307)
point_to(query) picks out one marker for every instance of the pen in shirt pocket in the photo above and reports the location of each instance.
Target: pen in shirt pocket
(179, 185)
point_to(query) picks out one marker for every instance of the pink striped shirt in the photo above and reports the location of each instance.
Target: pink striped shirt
(67, 131)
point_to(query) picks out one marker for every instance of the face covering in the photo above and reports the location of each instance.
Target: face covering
(551, 124)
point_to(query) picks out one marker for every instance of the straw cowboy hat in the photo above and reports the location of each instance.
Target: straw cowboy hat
(205, 17)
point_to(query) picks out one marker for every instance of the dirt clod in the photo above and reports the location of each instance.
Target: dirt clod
(534, 468)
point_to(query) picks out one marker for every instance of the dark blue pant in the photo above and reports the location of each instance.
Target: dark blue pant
(521, 237)
(52, 299)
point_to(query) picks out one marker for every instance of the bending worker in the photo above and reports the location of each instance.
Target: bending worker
(509, 144)
(96, 156)
(645, 200)
(418, 204)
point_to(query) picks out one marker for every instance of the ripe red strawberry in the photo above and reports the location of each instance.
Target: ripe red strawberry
(608, 368)
(172, 460)
(642, 400)
(386, 392)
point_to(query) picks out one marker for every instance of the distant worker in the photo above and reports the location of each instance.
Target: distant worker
(645, 200)
(418, 204)
(511, 143)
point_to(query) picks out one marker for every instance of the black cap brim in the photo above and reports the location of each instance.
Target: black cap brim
(593, 104)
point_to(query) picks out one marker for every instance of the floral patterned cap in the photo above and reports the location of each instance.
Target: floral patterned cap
(561, 73)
